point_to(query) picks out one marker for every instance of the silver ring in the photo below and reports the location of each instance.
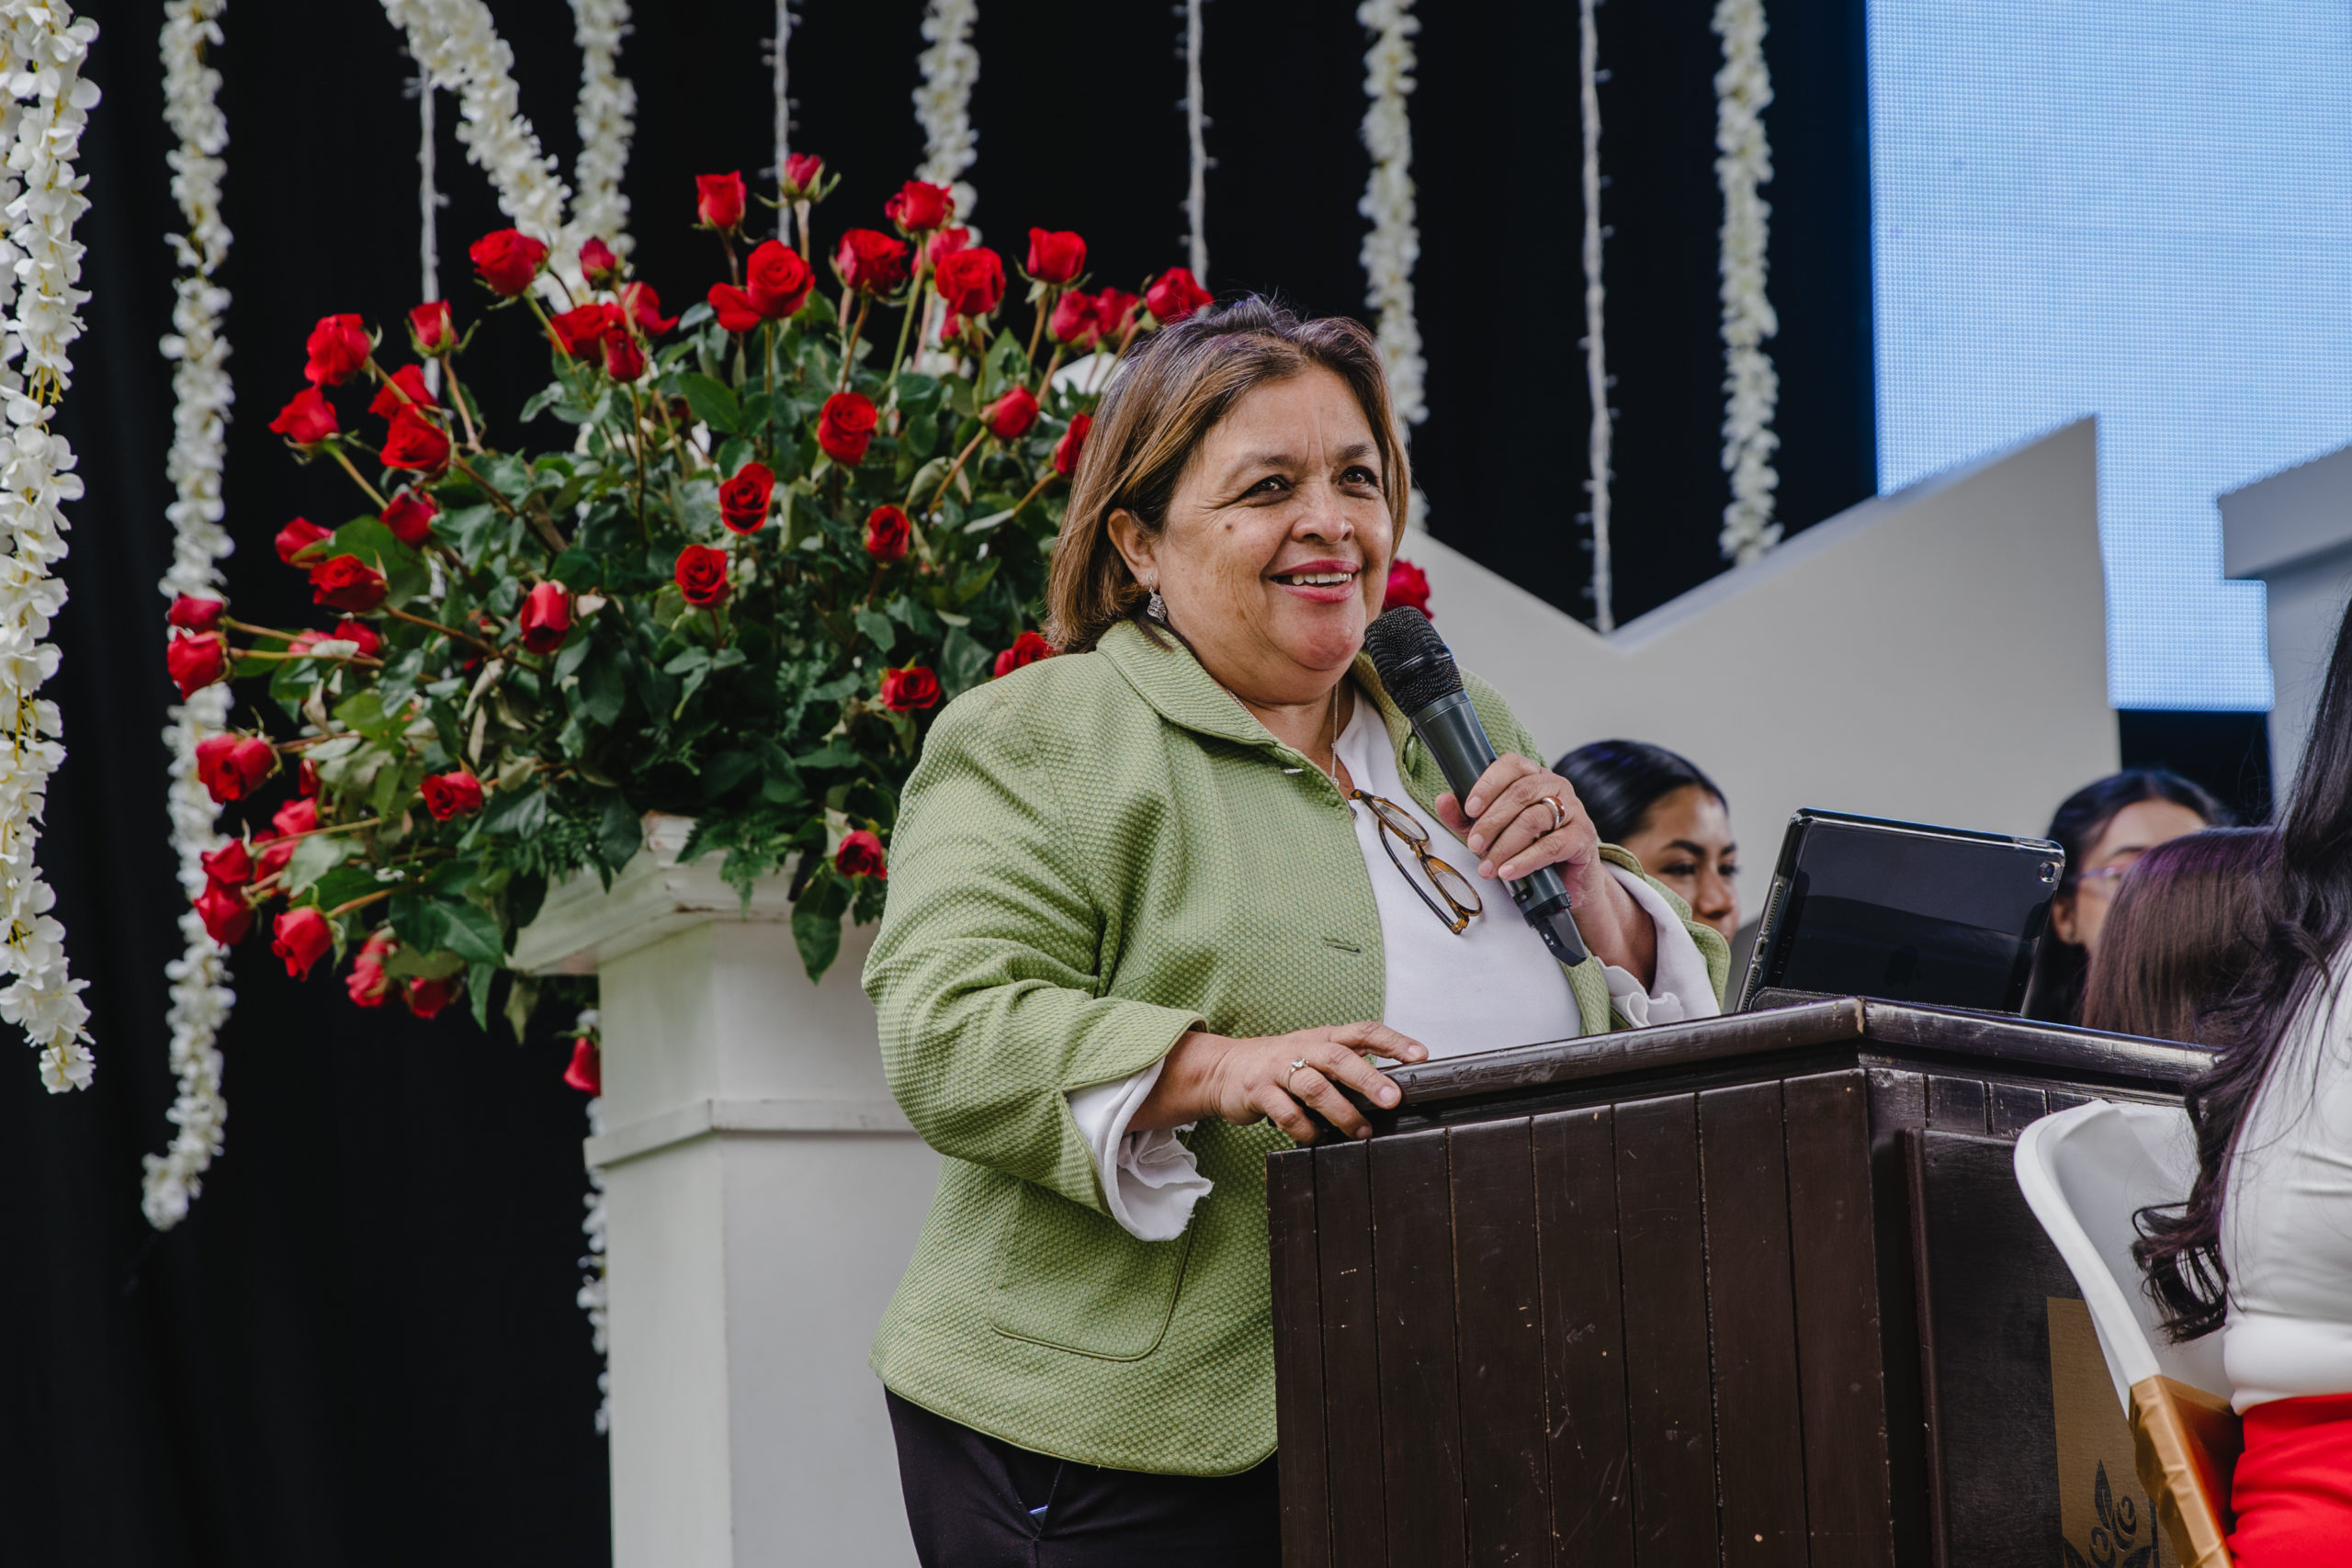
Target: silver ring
(1293, 1069)
(1559, 817)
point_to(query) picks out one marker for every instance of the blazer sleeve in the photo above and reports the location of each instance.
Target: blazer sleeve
(986, 975)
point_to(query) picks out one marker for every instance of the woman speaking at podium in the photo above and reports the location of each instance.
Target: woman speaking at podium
(1149, 900)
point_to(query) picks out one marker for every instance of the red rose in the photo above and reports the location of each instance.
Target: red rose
(734, 308)
(346, 582)
(1073, 321)
(861, 855)
(586, 1072)
(720, 199)
(194, 615)
(416, 442)
(1055, 255)
(338, 347)
(296, 816)
(410, 516)
(430, 330)
(801, 173)
(1115, 312)
(1009, 417)
(777, 279)
(1408, 585)
(302, 939)
(360, 632)
(904, 690)
(624, 361)
(427, 997)
(227, 916)
(845, 426)
(1175, 295)
(306, 420)
(546, 618)
(580, 332)
(597, 261)
(366, 983)
(919, 207)
(411, 390)
(231, 769)
(644, 306)
(196, 660)
(870, 261)
(702, 576)
(743, 500)
(508, 260)
(298, 537)
(228, 865)
(887, 534)
(972, 281)
(1072, 444)
(306, 779)
(945, 243)
(1027, 648)
(275, 853)
(454, 793)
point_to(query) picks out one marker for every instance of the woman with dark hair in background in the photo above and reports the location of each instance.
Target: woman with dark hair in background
(1668, 815)
(2185, 925)
(2261, 1251)
(2104, 828)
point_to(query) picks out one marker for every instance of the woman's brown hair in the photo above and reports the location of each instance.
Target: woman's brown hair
(1163, 404)
(2185, 924)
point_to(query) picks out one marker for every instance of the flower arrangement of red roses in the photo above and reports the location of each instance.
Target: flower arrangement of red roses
(760, 544)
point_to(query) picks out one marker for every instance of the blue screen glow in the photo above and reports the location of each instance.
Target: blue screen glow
(2142, 211)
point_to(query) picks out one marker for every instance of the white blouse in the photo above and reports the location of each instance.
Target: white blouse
(1494, 985)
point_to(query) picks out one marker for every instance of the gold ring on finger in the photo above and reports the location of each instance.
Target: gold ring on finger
(1288, 1076)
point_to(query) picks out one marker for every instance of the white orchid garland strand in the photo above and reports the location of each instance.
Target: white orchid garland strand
(779, 56)
(1392, 246)
(1600, 443)
(47, 105)
(595, 1298)
(1196, 142)
(1751, 385)
(605, 117)
(950, 67)
(202, 395)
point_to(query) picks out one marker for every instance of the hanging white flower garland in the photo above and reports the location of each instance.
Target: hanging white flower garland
(950, 66)
(779, 49)
(1197, 123)
(1392, 247)
(1751, 385)
(1600, 444)
(43, 46)
(202, 395)
(605, 117)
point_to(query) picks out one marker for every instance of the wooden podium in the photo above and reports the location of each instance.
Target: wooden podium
(1756, 1290)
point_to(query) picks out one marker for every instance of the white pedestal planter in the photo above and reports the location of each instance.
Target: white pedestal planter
(763, 1194)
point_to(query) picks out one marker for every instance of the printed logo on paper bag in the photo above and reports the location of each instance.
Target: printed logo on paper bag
(2104, 1519)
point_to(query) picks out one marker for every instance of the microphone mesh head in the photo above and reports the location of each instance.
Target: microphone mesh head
(1413, 660)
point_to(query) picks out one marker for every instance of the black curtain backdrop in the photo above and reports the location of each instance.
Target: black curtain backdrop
(363, 1348)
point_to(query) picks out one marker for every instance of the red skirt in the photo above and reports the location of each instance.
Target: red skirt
(2292, 1491)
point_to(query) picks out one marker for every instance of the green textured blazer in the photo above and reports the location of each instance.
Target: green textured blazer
(1096, 853)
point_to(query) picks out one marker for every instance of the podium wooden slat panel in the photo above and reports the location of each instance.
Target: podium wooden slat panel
(1584, 1339)
(1298, 1371)
(1499, 1305)
(1351, 1402)
(1661, 1245)
(1412, 1230)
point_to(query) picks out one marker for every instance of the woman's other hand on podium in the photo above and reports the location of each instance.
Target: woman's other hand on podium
(1275, 1076)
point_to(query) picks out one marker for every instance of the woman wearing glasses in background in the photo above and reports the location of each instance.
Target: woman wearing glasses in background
(1153, 900)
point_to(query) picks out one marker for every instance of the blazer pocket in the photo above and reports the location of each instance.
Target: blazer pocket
(1072, 1279)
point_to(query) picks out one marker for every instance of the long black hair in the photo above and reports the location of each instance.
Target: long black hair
(1618, 781)
(2308, 910)
(2056, 992)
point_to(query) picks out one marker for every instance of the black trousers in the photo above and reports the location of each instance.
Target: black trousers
(978, 1502)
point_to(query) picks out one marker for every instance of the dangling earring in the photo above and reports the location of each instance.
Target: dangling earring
(1156, 607)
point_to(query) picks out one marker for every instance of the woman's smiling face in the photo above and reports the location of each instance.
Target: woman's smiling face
(1275, 553)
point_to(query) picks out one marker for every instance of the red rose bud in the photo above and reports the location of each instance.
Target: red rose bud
(306, 779)
(546, 618)
(366, 983)
(1073, 321)
(720, 199)
(945, 243)
(1072, 444)
(416, 442)
(802, 171)
(702, 576)
(596, 260)
(193, 615)
(1009, 417)
(777, 279)
(360, 632)
(1027, 648)
(196, 660)
(972, 281)
(580, 332)
(870, 261)
(306, 420)
(454, 793)
(297, 538)
(338, 347)
(302, 939)
(430, 330)
(644, 306)
(410, 516)
(1408, 586)
(294, 816)
(231, 769)
(427, 997)
(586, 1072)
(624, 361)
(887, 533)
(346, 582)
(409, 380)
(1114, 311)
(845, 426)
(1175, 295)
(861, 855)
(508, 260)
(275, 853)
(734, 308)
(743, 500)
(918, 208)
(1055, 255)
(230, 865)
(904, 690)
(227, 916)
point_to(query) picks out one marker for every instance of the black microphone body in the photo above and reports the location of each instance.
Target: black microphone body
(1418, 670)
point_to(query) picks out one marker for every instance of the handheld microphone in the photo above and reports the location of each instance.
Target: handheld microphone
(1417, 668)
